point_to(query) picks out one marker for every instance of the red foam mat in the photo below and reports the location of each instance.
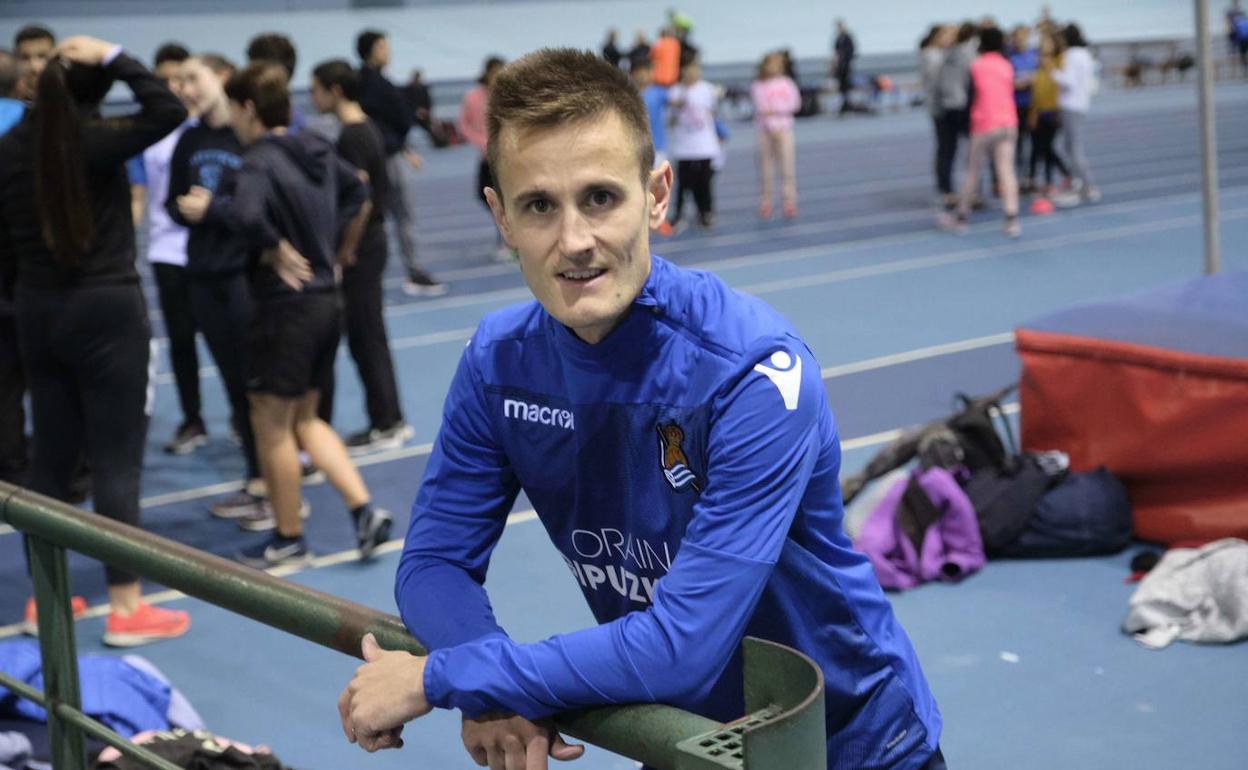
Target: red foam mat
(1172, 425)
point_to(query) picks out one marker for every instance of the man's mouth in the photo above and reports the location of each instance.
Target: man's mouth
(582, 276)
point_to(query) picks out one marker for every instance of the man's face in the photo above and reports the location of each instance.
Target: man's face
(32, 57)
(571, 201)
(171, 73)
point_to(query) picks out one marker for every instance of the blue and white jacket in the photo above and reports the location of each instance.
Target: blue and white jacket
(686, 468)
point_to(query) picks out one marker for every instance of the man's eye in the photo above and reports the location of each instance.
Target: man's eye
(599, 198)
(540, 206)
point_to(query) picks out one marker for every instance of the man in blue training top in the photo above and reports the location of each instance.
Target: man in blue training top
(673, 436)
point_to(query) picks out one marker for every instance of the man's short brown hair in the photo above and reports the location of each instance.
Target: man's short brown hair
(562, 86)
(263, 84)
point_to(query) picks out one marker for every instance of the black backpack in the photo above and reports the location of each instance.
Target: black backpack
(967, 438)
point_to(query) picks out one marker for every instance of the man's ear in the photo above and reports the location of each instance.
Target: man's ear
(495, 200)
(659, 194)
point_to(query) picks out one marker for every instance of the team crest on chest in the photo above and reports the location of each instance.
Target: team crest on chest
(673, 460)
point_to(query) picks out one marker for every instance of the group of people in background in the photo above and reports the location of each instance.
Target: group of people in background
(263, 237)
(688, 131)
(1010, 97)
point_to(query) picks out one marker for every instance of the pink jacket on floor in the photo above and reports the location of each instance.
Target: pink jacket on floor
(775, 101)
(992, 77)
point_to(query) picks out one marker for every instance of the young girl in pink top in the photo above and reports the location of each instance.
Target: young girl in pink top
(775, 98)
(994, 130)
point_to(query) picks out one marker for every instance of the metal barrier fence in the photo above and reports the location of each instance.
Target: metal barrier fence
(783, 728)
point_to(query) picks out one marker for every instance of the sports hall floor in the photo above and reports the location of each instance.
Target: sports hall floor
(1026, 658)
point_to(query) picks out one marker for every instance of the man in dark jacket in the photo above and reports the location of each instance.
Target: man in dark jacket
(293, 197)
(843, 60)
(384, 103)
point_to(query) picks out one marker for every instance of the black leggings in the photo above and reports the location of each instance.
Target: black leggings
(694, 176)
(13, 451)
(174, 287)
(366, 334)
(221, 305)
(1044, 146)
(87, 353)
(946, 125)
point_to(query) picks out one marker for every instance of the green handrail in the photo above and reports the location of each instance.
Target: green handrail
(784, 689)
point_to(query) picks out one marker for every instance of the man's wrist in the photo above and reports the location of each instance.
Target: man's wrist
(111, 56)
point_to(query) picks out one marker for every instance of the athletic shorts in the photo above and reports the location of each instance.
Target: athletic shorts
(291, 344)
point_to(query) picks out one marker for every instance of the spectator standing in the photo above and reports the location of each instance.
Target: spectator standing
(166, 252)
(1025, 59)
(611, 51)
(776, 99)
(66, 234)
(994, 129)
(472, 126)
(1076, 81)
(383, 102)
(843, 53)
(694, 143)
(336, 89)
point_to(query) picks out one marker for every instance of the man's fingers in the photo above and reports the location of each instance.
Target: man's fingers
(344, 713)
(535, 757)
(497, 757)
(368, 645)
(565, 752)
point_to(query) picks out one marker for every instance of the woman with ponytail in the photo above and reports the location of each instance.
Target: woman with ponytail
(66, 231)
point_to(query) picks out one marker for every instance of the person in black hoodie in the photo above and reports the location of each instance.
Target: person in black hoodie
(335, 89)
(293, 197)
(384, 103)
(66, 229)
(201, 179)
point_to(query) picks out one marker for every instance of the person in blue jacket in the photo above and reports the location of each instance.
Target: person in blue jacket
(675, 440)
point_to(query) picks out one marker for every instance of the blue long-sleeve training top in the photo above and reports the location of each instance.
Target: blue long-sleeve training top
(686, 469)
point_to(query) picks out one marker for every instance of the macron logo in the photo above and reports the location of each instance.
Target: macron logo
(785, 372)
(544, 415)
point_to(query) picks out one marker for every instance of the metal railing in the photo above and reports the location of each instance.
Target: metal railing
(783, 728)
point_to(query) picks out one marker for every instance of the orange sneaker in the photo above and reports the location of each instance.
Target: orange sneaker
(665, 229)
(790, 211)
(146, 624)
(30, 621)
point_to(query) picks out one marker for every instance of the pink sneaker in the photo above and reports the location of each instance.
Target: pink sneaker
(146, 624)
(30, 621)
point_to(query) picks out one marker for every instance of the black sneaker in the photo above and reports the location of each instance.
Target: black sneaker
(421, 284)
(263, 519)
(309, 474)
(375, 440)
(372, 529)
(237, 505)
(189, 436)
(277, 551)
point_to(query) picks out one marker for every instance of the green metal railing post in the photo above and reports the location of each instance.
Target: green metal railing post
(57, 648)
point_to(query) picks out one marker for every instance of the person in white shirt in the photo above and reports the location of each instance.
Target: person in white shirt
(166, 251)
(693, 143)
(1076, 80)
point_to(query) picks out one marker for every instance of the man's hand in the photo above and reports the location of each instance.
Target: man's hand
(194, 205)
(81, 49)
(291, 266)
(385, 693)
(514, 743)
(413, 160)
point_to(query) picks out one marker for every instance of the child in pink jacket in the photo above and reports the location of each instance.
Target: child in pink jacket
(775, 98)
